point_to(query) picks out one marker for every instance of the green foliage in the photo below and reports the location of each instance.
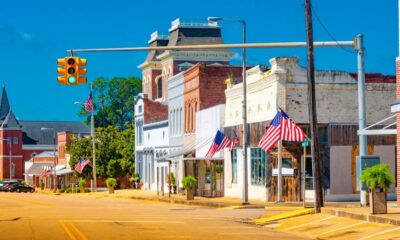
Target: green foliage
(378, 176)
(171, 179)
(189, 182)
(114, 101)
(114, 152)
(111, 182)
(68, 190)
(219, 168)
(81, 183)
(135, 177)
(41, 183)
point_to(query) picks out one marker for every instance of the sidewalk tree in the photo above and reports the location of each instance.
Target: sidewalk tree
(80, 147)
(114, 101)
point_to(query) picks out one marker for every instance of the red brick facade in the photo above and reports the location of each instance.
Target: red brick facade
(16, 154)
(204, 87)
(398, 131)
(154, 111)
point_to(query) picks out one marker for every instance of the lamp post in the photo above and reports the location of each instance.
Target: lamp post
(55, 159)
(245, 199)
(93, 146)
(9, 145)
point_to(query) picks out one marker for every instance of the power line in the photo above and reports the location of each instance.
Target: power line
(328, 32)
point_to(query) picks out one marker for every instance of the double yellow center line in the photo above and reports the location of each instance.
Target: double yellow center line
(72, 230)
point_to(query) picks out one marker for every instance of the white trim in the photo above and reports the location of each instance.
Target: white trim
(12, 156)
(377, 132)
(38, 147)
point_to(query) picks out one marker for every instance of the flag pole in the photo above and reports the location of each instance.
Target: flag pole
(279, 171)
(93, 141)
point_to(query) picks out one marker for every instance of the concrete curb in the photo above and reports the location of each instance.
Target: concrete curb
(198, 203)
(285, 215)
(359, 216)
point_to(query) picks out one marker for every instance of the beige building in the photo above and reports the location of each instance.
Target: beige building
(284, 85)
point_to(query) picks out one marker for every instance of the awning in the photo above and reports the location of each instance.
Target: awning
(64, 171)
(38, 167)
(198, 159)
(174, 154)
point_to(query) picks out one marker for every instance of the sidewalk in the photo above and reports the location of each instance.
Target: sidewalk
(218, 202)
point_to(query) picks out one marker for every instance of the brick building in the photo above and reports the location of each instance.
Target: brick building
(22, 140)
(154, 114)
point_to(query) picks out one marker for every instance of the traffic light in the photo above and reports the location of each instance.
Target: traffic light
(72, 70)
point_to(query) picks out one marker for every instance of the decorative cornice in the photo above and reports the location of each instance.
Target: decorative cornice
(149, 64)
(196, 55)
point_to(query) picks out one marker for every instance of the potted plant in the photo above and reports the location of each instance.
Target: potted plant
(41, 185)
(81, 185)
(111, 183)
(378, 179)
(189, 183)
(135, 180)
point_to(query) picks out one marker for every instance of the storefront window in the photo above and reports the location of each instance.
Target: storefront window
(258, 165)
(234, 165)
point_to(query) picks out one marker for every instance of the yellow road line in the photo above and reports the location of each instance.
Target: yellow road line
(78, 231)
(126, 221)
(342, 228)
(380, 233)
(305, 224)
(26, 201)
(69, 233)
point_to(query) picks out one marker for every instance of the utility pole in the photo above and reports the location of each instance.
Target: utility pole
(312, 111)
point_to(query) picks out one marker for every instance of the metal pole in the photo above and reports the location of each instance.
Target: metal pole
(279, 171)
(245, 197)
(93, 143)
(361, 106)
(55, 161)
(221, 46)
(9, 144)
(303, 176)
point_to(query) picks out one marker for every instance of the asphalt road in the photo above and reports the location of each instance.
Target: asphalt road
(41, 216)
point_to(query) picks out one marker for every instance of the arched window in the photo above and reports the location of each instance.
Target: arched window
(159, 88)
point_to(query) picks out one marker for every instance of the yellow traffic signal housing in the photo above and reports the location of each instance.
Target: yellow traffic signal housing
(61, 71)
(72, 70)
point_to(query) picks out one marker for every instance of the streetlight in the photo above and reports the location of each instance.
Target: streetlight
(9, 144)
(93, 146)
(55, 161)
(245, 199)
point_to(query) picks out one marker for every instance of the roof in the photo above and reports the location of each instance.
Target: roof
(376, 78)
(10, 121)
(196, 36)
(33, 133)
(151, 56)
(46, 154)
(4, 104)
(38, 167)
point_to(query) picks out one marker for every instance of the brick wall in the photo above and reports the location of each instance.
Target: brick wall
(154, 111)
(398, 131)
(204, 87)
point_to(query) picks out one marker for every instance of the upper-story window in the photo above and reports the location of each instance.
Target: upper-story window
(159, 88)
(140, 109)
(15, 140)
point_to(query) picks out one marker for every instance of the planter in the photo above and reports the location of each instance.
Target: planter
(377, 201)
(111, 190)
(189, 193)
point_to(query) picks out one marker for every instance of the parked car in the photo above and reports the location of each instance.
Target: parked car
(4, 185)
(19, 187)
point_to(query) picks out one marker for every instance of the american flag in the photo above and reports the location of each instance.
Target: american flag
(234, 142)
(81, 165)
(44, 174)
(89, 103)
(281, 128)
(219, 143)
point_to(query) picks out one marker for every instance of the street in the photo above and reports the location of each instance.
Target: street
(42, 216)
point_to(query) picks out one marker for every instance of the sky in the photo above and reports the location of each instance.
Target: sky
(33, 34)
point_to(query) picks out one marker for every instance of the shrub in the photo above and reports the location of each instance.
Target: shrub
(111, 182)
(68, 189)
(41, 183)
(219, 168)
(189, 182)
(81, 183)
(171, 179)
(135, 177)
(378, 176)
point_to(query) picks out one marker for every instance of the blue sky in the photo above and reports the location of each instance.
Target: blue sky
(33, 34)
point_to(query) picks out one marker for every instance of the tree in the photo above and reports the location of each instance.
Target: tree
(114, 152)
(114, 101)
